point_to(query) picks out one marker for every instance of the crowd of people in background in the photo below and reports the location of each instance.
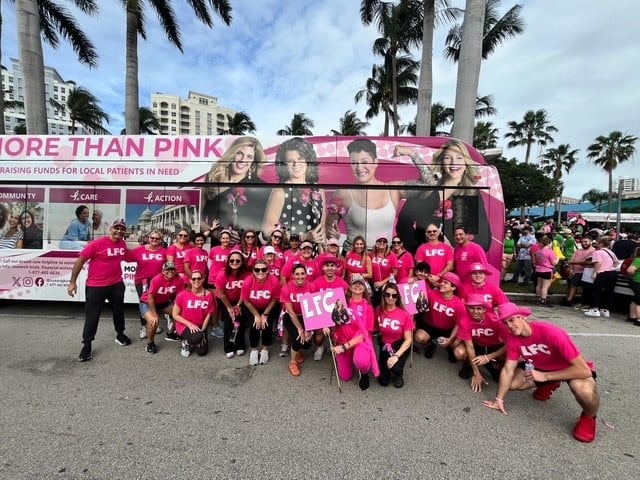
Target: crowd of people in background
(239, 289)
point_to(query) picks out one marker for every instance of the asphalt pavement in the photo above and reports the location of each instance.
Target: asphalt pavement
(130, 415)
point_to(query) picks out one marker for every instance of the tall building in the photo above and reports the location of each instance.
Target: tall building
(56, 89)
(628, 184)
(198, 114)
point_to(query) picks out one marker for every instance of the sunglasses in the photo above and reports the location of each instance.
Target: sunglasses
(390, 295)
(196, 279)
(235, 260)
(432, 231)
(249, 236)
(382, 240)
(294, 240)
(396, 242)
(183, 235)
(261, 270)
(155, 238)
(278, 237)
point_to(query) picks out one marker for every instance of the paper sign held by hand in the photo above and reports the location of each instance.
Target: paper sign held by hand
(318, 307)
(414, 296)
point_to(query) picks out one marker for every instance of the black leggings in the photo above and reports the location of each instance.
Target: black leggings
(198, 341)
(296, 344)
(240, 341)
(94, 302)
(397, 370)
(265, 335)
(603, 287)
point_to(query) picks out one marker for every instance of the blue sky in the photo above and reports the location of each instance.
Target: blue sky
(576, 59)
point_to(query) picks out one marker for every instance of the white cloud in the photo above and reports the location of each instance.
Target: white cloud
(578, 60)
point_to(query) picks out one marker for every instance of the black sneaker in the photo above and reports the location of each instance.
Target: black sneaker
(172, 337)
(429, 349)
(151, 348)
(122, 340)
(85, 353)
(465, 372)
(494, 372)
(363, 383)
(565, 303)
(398, 381)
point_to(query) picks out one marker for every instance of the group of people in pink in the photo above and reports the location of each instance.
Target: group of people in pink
(235, 288)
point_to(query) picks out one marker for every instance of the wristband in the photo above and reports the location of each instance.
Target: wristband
(344, 347)
(499, 400)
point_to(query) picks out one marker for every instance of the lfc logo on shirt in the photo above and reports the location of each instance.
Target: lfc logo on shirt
(533, 349)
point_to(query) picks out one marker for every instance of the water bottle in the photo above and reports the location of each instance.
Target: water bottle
(280, 324)
(529, 367)
(441, 340)
(234, 333)
(392, 278)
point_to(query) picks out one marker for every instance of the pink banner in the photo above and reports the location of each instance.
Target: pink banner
(84, 195)
(161, 196)
(414, 296)
(318, 308)
(21, 194)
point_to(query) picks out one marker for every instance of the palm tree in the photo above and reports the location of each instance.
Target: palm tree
(468, 70)
(431, 17)
(350, 125)
(534, 128)
(485, 136)
(84, 108)
(300, 125)
(149, 123)
(553, 162)
(378, 89)
(609, 152)
(167, 17)
(595, 196)
(401, 28)
(46, 19)
(496, 30)
(240, 124)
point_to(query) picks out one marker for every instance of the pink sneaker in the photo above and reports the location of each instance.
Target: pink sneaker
(585, 429)
(544, 392)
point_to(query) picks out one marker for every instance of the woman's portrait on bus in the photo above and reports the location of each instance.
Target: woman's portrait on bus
(240, 206)
(4, 216)
(13, 236)
(78, 232)
(300, 206)
(99, 226)
(32, 232)
(451, 202)
(367, 212)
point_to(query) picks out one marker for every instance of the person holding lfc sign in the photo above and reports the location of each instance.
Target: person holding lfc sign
(352, 338)
(290, 297)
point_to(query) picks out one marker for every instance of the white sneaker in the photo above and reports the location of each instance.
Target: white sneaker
(605, 313)
(185, 351)
(284, 350)
(239, 352)
(317, 355)
(170, 323)
(143, 332)
(253, 357)
(229, 354)
(592, 312)
(264, 357)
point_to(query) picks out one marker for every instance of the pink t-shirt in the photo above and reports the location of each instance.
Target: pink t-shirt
(435, 255)
(581, 255)
(290, 253)
(545, 260)
(292, 293)
(355, 263)
(195, 308)
(549, 347)
(405, 264)
(392, 324)
(280, 258)
(162, 289)
(492, 293)
(178, 254)
(363, 313)
(309, 265)
(466, 255)
(605, 257)
(250, 257)
(383, 266)
(104, 256)
(230, 285)
(488, 333)
(321, 283)
(218, 256)
(260, 294)
(149, 263)
(197, 258)
(444, 314)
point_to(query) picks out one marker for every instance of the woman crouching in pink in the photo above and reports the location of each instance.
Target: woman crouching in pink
(396, 329)
(353, 337)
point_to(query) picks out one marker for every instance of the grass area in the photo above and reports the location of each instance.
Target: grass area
(557, 288)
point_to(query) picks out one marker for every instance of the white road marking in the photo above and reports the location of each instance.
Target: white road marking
(624, 335)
